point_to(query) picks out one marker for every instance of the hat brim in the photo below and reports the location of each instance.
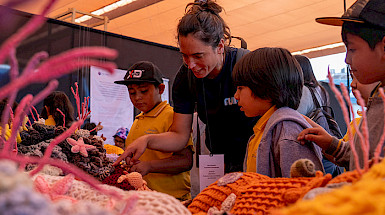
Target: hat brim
(336, 21)
(132, 81)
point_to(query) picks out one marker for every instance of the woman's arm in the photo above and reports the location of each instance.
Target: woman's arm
(180, 161)
(172, 141)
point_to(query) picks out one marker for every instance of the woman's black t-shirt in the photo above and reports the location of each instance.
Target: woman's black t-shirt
(227, 128)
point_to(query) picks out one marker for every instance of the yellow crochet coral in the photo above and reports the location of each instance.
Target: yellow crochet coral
(366, 196)
(110, 149)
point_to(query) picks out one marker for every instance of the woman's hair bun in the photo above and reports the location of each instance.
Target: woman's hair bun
(204, 5)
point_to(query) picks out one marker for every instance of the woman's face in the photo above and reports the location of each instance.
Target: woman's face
(202, 59)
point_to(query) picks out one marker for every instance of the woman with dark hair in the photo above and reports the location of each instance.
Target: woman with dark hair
(204, 79)
(58, 100)
(307, 105)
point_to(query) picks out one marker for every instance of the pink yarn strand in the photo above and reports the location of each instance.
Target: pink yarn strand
(363, 136)
(64, 117)
(34, 62)
(382, 139)
(346, 117)
(52, 85)
(12, 117)
(37, 114)
(77, 98)
(19, 114)
(12, 96)
(23, 32)
(365, 131)
(33, 116)
(48, 71)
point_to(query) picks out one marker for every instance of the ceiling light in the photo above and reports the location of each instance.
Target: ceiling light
(104, 10)
(331, 46)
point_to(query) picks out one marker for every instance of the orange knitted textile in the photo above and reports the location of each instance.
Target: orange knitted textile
(257, 194)
(364, 196)
(350, 177)
(214, 195)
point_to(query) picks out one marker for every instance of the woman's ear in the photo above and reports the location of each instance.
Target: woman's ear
(161, 88)
(221, 47)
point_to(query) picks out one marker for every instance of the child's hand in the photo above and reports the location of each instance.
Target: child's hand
(133, 151)
(143, 167)
(318, 135)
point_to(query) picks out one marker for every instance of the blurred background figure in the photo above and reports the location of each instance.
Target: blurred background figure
(120, 137)
(58, 100)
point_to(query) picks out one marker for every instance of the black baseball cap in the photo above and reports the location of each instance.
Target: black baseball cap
(362, 11)
(142, 71)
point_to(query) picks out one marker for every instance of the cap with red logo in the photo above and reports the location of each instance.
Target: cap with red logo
(142, 71)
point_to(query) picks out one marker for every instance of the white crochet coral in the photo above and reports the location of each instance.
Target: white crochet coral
(150, 202)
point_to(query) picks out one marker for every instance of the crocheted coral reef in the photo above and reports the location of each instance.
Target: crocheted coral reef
(37, 138)
(38, 193)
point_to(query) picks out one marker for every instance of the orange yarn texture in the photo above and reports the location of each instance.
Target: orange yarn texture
(257, 194)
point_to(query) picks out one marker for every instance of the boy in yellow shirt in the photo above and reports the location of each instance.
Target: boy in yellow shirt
(163, 171)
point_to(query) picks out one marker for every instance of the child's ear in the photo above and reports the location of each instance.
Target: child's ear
(161, 88)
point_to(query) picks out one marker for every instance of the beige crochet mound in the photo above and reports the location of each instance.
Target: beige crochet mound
(10, 177)
(214, 195)
(151, 202)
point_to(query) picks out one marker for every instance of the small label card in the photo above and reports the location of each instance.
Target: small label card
(211, 168)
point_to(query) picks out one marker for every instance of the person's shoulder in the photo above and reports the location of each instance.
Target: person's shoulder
(287, 115)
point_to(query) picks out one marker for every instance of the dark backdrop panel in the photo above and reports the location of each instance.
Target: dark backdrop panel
(56, 37)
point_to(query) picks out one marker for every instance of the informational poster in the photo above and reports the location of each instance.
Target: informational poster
(110, 102)
(211, 168)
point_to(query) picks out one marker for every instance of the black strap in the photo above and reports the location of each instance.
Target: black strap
(315, 100)
(198, 144)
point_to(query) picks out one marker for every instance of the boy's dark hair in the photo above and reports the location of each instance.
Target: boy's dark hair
(58, 99)
(371, 34)
(202, 20)
(271, 73)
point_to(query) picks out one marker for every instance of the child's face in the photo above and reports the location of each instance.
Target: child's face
(365, 89)
(145, 96)
(250, 104)
(367, 65)
(119, 142)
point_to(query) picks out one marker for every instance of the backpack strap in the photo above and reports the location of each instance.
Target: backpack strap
(315, 100)
(240, 53)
